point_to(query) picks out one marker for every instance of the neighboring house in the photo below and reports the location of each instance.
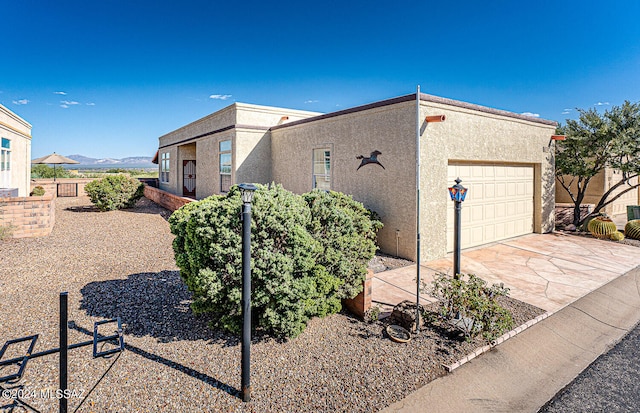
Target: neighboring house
(501, 157)
(15, 154)
(600, 184)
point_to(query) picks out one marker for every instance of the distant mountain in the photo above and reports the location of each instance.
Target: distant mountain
(138, 161)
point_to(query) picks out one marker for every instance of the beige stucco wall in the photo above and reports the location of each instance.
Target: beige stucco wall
(252, 149)
(466, 135)
(218, 120)
(390, 192)
(257, 115)
(246, 125)
(18, 131)
(470, 136)
(252, 156)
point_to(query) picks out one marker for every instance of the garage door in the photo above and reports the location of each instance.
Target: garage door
(499, 203)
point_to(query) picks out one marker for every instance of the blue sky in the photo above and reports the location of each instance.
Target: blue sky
(107, 78)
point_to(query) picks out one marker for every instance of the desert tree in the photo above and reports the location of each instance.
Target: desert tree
(594, 142)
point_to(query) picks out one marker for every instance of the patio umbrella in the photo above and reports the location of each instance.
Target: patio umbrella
(54, 159)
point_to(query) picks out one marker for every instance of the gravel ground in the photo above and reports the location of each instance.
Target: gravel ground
(121, 263)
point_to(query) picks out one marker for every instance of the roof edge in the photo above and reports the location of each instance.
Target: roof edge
(472, 106)
(15, 116)
(423, 98)
(381, 103)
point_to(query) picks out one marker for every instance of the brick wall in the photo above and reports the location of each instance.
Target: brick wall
(361, 302)
(165, 199)
(32, 216)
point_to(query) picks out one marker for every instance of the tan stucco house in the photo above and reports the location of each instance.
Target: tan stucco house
(503, 159)
(15, 154)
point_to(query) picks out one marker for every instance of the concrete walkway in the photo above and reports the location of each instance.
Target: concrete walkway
(524, 372)
(549, 271)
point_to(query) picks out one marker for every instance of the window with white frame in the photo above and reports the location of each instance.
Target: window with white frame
(5, 155)
(164, 167)
(225, 166)
(322, 168)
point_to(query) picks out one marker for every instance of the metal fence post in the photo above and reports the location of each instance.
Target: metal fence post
(64, 349)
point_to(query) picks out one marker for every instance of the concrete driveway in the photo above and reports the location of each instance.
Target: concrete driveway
(549, 271)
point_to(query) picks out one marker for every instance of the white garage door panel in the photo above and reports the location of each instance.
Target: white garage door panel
(499, 203)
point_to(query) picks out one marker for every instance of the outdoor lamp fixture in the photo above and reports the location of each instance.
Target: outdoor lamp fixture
(428, 119)
(458, 194)
(246, 192)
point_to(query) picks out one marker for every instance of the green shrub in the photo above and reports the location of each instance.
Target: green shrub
(290, 283)
(471, 305)
(114, 192)
(37, 191)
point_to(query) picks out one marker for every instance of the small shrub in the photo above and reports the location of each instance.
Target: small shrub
(115, 192)
(37, 191)
(471, 305)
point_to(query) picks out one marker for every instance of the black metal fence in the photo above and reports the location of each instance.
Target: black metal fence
(20, 363)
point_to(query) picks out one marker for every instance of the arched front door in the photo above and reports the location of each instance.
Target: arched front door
(189, 178)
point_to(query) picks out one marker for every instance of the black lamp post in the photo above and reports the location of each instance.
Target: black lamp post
(458, 193)
(246, 192)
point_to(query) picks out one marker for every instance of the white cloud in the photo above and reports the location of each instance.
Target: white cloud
(566, 112)
(59, 93)
(64, 106)
(533, 115)
(601, 104)
(91, 104)
(21, 102)
(310, 101)
(220, 97)
(69, 102)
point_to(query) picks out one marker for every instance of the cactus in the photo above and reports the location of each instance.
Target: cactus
(632, 229)
(601, 227)
(616, 236)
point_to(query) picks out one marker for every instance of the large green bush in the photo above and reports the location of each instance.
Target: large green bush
(115, 192)
(294, 273)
